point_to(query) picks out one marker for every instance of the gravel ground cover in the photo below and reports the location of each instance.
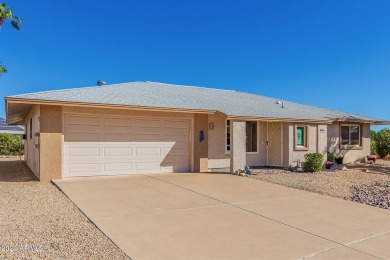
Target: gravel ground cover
(39, 221)
(364, 183)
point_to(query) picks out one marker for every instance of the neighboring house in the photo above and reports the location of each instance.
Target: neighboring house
(10, 129)
(153, 127)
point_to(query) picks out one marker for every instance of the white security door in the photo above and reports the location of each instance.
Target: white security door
(107, 145)
(274, 144)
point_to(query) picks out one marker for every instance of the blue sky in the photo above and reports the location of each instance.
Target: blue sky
(332, 54)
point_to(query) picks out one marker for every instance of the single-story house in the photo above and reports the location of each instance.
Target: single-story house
(10, 129)
(140, 127)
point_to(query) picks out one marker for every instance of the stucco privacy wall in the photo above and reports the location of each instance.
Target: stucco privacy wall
(31, 152)
(218, 157)
(50, 142)
(200, 147)
(350, 155)
(217, 154)
(238, 145)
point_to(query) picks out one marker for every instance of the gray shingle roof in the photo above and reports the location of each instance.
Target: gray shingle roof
(152, 94)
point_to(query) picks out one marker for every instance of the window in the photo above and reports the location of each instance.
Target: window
(31, 128)
(251, 137)
(228, 136)
(350, 135)
(301, 140)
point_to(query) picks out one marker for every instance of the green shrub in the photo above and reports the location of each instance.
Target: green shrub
(313, 162)
(10, 145)
(383, 142)
(330, 157)
(373, 142)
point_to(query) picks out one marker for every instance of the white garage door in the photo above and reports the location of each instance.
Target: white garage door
(104, 145)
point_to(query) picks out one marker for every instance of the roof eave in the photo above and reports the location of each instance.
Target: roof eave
(362, 121)
(13, 100)
(275, 119)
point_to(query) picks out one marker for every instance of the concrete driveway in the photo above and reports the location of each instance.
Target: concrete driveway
(226, 216)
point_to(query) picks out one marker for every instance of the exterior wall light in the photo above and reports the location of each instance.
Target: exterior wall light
(211, 126)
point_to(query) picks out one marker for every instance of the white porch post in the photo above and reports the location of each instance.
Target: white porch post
(237, 145)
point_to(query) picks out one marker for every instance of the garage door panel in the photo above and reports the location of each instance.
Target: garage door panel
(84, 167)
(116, 129)
(84, 151)
(147, 166)
(117, 151)
(148, 151)
(173, 132)
(148, 123)
(83, 120)
(148, 137)
(124, 145)
(116, 137)
(83, 137)
(174, 124)
(118, 167)
(117, 122)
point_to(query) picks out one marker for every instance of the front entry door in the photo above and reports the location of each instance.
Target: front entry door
(274, 144)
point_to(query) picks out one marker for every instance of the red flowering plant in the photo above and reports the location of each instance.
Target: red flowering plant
(328, 164)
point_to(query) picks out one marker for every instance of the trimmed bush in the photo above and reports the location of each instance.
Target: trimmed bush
(10, 145)
(383, 142)
(313, 162)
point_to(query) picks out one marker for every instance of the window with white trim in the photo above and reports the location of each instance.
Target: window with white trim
(350, 135)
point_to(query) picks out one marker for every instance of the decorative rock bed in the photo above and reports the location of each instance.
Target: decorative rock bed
(377, 195)
(364, 183)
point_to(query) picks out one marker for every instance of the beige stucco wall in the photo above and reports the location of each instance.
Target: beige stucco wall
(238, 145)
(31, 153)
(291, 156)
(200, 148)
(218, 157)
(51, 142)
(322, 140)
(350, 155)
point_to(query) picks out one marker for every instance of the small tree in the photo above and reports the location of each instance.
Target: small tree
(383, 142)
(373, 142)
(16, 22)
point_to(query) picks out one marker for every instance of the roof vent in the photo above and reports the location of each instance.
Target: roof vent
(101, 83)
(280, 103)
